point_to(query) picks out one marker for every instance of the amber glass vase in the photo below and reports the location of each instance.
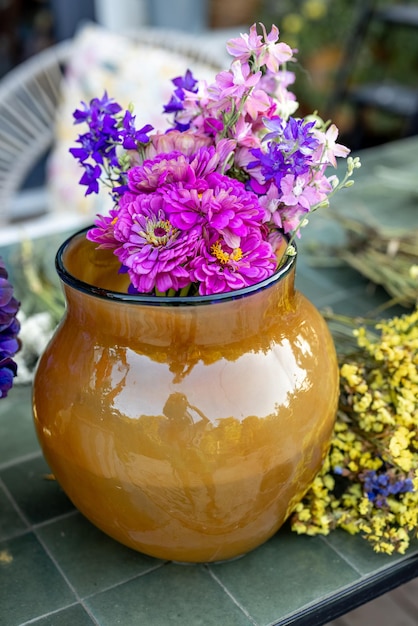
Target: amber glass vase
(185, 428)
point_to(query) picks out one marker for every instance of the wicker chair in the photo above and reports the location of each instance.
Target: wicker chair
(29, 97)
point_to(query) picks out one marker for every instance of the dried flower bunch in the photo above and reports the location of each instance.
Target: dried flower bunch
(211, 203)
(369, 481)
(386, 256)
(9, 329)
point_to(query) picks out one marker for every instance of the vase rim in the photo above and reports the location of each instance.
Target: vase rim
(117, 296)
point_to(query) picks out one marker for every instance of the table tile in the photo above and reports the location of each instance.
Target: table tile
(17, 432)
(360, 554)
(73, 616)
(174, 594)
(30, 584)
(101, 562)
(11, 523)
(38, 497)
(286, 573)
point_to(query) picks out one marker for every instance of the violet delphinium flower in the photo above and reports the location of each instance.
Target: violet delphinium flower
(99, 143)
(130, 136)
(183, 84)
(9, 328)
(290, 146)
(108, 129)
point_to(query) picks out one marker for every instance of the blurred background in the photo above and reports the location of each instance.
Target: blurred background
(343, 44)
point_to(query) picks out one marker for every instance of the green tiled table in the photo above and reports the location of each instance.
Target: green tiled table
(56, 569)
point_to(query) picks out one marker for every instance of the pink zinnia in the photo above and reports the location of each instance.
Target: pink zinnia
(154, 251)
(219, 268)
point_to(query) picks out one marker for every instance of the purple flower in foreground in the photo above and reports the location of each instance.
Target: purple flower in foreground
(289, 148)
(176, 103)
(98, 147)
(9, 328)
(187, 82)
(130, 136)
(379, 486)
(90, 178)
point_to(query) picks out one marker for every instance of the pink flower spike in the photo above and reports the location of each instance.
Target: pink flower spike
(296, 191)
(258, 103)
(333, 149)
(274, 54)
(244, 46)
(237, 80)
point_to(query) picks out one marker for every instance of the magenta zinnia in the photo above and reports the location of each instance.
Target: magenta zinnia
(181, 222)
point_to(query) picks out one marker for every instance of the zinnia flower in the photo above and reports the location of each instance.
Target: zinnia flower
(219, 268)
(154, 252)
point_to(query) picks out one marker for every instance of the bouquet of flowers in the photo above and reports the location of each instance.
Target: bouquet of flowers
(213, 202)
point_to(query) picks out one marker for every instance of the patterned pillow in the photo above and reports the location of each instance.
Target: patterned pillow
(130, 70)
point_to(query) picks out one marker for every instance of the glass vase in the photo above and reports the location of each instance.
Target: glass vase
(185, 428)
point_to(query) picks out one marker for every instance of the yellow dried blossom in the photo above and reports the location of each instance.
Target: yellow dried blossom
(369, 480)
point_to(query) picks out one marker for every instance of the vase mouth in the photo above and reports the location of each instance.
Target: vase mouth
(107, 294)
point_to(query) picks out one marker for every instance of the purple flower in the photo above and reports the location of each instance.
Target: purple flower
(9, 329)
(90, 178)
(103, 233)
(290, 146)
(182, 84)
(97, 107)
(99, 143)
(130, 136)
(379, 486)
(187, 82)
(107, 130)
(165, 169)
(233, 212)
(176, 102)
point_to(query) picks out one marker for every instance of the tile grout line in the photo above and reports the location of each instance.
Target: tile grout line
(65, 577)
(340, 554)
(21, 459)
(55, 612)
(229, 594)
(29, 526)
(81, 599)
(345, 557)
(15, 506)
(57, 518)
(125, 580)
